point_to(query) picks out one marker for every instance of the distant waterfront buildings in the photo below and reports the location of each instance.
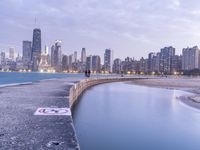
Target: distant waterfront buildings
(35, 59)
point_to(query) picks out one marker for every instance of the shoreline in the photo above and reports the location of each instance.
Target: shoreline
(183, 84)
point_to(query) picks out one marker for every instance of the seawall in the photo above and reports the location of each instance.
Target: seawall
(78, 88)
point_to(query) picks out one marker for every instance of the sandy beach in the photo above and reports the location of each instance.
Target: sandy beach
(179, 83)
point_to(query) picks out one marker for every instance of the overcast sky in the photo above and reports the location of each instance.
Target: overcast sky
(129, 27)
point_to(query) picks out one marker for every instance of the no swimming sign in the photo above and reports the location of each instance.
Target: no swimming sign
(53, 111)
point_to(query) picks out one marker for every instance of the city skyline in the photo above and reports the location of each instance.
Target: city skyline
(162, 62)
(131, 26)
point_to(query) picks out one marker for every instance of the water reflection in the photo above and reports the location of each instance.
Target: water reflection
(120, 116)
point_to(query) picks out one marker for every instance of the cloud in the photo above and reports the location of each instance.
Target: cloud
(97, 24)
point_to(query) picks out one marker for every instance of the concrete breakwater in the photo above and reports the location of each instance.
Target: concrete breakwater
(22, 126)
(80, 87)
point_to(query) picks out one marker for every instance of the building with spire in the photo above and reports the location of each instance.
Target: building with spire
(36, 49)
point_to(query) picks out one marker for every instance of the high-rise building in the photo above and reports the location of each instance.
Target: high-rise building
(176, 64)
(167, 54)
(65, 63)
(70, 66)
(19, 63)
(128, 65)
(108, 60)
(12, 53)
(117, 66)
(26, 54)
(83, 55)
(75, 57)
(158, 62)
(96, 64)
(190, 58)
(151, 62)
(89, 62)
(44, 61)
(56, 54)
(3, 59)
(36, 49)
(83, 59)
(52, 55)
(46, 50)
(142, 65)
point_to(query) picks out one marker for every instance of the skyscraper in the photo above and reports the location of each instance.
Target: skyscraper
(70, 62)
(83, 55)
(26, 53)
(89, 62)
(12, 53)
(83, 59)
(75, 57)
(36, 49)
(96, 64)
(151, 62)
(46, 50)
(190, 58)
(56, 56)
(157, 64)
(117, 66)
(52, 55)
(167, 54)
(65, 63)
(108, 60)
(3, 58)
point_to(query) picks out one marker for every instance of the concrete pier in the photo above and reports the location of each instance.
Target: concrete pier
(21, 129)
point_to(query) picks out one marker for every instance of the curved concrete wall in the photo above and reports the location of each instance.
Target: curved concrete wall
(81, 86)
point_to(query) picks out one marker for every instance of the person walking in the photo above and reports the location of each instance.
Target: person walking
(89, 72)
(86, 73)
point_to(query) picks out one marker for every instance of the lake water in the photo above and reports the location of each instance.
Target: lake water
(20, 77)
(119, 116)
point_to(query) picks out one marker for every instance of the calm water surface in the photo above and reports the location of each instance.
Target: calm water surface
(119, 116)
(20, 77)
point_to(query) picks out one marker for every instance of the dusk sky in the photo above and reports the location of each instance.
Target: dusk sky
(129, 27)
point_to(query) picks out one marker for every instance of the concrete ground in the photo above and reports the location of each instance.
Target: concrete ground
(20, 129)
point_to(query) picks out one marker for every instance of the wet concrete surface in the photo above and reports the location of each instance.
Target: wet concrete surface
(20, 129)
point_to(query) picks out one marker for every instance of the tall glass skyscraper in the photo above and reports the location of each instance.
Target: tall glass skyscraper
(36, 49)
(83, 55)
(27, 52)
(108, 60)
(56, 56)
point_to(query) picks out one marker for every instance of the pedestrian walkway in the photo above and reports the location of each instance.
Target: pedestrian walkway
(36, 116)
